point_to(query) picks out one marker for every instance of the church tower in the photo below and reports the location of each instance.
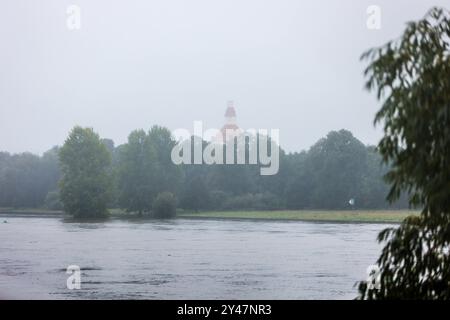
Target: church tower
(230, 129)
(230, 114)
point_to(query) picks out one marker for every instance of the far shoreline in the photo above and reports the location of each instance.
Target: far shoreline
(328, 216)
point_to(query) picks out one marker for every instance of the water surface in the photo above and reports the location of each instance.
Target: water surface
(185, 258)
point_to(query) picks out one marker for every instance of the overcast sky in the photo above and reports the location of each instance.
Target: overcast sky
(287, 64)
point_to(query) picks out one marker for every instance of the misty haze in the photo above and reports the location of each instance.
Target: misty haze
(224, 149)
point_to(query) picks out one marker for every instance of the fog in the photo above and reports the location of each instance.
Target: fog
(287, 64)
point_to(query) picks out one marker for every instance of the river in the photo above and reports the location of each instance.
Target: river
(184, 258)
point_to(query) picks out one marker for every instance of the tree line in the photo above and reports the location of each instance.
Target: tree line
(337, 172)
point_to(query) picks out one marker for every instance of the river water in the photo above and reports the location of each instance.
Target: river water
(184, 258)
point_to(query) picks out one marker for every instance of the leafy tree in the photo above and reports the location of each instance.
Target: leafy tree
(50, 172)
(86, 183)
(52, 201)
(109, 144)
(217, 199)
(373, 190)
(137, 187)
(337, 164)
(164, 205)
(195, 193)
(297, 191)
(412, 76)
(167, 175)
(145, 169)
(25, 179)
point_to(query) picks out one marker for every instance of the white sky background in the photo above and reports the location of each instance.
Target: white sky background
(287, 64)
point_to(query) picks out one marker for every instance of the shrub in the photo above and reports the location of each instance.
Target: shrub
(164, 205)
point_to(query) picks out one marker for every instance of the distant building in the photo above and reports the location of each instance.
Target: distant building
(230, 129)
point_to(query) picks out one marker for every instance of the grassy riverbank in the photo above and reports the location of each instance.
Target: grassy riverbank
(30, 211)
(378, 216)
(368, 216)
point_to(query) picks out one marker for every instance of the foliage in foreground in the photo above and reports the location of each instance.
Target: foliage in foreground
(413, 73)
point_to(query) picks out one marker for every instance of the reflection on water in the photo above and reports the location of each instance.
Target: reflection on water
(185, 259)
